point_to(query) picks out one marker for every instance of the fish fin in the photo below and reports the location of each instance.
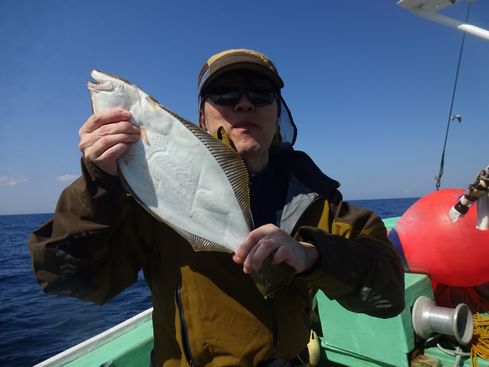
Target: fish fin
(155, 105)
(144, 136)
(201, 244)
(271, 278)
(230, 161)
(233, 166)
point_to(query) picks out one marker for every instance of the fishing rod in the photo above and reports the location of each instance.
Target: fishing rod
(429, 9)
(451, 116)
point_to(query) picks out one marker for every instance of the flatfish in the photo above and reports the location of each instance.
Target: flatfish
(179, 173)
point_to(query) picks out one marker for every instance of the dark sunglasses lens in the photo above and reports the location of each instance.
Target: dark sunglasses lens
(226, 99)
(259, 98)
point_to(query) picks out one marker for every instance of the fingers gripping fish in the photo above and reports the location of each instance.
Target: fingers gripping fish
(177, 172)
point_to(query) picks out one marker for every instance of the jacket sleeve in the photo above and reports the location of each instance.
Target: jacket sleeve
(357, 266)
(92, 247)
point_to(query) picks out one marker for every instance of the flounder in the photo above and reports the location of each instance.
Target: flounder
(178, 172)
(183, 176)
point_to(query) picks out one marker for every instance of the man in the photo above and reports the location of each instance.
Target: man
(207, 308)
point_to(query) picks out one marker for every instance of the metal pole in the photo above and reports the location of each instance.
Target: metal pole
(461, 26)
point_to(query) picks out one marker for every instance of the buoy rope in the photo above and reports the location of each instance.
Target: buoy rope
(450, 118)
(480, 345)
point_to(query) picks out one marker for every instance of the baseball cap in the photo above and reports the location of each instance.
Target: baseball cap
(238, 59)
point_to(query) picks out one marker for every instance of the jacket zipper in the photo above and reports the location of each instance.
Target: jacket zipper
(183, 327)
(274, 328)
(270, 299)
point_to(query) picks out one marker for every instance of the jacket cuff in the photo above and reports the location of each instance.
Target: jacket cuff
(336, 269)
(314, 273)
(101, 178)
(96, 195)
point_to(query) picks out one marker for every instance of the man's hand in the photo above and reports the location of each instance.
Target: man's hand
(105, 136)
(269, 241)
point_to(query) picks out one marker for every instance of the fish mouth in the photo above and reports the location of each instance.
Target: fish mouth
(100, 82)
(100, 86)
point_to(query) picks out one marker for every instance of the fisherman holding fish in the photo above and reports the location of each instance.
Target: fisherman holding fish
(209, 307)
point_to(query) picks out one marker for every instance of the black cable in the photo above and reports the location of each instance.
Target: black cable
(442, 162)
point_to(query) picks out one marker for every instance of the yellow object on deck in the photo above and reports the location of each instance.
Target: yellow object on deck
(480, 346)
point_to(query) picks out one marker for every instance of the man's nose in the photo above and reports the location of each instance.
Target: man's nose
(244, 104)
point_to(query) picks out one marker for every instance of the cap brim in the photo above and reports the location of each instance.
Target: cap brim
(273, 77)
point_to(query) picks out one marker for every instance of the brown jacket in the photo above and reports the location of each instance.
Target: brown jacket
(206, 310)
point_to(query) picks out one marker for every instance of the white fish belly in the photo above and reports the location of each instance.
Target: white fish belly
(173, 174)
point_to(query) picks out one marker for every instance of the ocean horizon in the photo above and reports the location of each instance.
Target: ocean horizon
(36, 326)
(367, 202)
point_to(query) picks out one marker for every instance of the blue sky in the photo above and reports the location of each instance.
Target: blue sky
(368, 83)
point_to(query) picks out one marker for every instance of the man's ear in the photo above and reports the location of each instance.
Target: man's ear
(277, 138)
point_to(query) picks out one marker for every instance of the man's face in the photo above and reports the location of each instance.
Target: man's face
(251, 127)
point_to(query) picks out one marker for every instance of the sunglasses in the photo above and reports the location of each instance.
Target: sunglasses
(258, 97)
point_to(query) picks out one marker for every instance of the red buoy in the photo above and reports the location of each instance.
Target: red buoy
(455, 254)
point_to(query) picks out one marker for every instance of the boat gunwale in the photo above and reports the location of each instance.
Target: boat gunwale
(96, 341)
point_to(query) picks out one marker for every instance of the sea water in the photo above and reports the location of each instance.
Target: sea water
(35, 326)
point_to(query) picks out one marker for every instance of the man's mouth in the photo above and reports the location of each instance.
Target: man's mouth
(244, 124)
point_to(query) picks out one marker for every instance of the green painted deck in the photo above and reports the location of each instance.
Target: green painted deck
(356, 339)
(390, 222)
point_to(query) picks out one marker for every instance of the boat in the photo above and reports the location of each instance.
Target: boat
(341, 337)
(344, 338)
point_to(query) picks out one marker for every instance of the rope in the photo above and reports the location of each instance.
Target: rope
(450, 116)
(458, 353)
(453, 352)
(480, 346)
